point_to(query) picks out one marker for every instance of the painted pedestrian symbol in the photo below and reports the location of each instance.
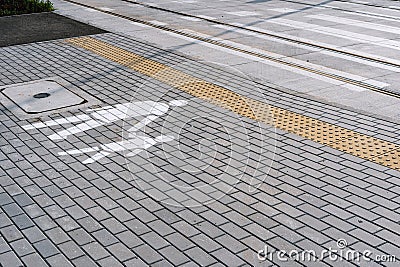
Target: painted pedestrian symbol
(136, 142)
(136, 145)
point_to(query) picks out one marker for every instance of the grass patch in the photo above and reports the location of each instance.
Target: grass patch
(16, 7)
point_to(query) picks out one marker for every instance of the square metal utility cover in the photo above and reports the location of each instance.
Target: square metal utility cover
(49, 96)
(41, 96)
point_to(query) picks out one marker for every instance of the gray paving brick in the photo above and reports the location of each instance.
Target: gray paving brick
(185, 228)
(95, 250)
(80, 236)
(179, 241)
(390, 225)
(144, 215)
(259, 231)
(205, 243)
(213, 217)
(130, 239)
(84, 261)
(76, 212)
(363, 213)
(174, 255)
(121, 215)
(137, 227)
(129, 204)
(337, 211)
(366, 225)
(22, 247)
(10, 233)
(22, 200)
(289, 210)
(22, 221)
(146, 253)
(238, 218)
(67, 223)
(382, 211)
(71, 250)
(389, 236)
(200, 256)
(265, 208)
(231, 243)
(121, 252)
(12, 209)
(337, 201)
(227, 257)
(46, 248)
(59, 260)
(32, 260)
(89, 224)
(98, 213)
(57, 235)
(137, 262)
(155, 240)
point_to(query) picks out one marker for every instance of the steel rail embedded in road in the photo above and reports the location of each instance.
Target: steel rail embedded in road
(252, 53)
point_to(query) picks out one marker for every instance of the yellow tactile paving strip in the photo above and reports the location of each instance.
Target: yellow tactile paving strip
(354, 143)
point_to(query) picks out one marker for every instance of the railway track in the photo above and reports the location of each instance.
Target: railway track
(198, 37)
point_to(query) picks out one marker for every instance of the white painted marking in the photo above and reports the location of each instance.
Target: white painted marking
(140, 24)
(359, 13)
(150, 110)
(278, 65)
(55, 122)
(352, 22)
(106, 8)
(339, 33)
(90, 10)
(206, 17)
(243, 13)
(136, 6)
(345, 49)
(91, 124)
(185, 1)
(283, 10)
(79, 151)
(190, 18)
(325, 52)
(136, 144)
(159, 23)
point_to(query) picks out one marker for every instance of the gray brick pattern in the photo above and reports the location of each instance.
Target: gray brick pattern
(55, 210)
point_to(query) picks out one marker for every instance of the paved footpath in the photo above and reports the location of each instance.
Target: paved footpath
(176, 159)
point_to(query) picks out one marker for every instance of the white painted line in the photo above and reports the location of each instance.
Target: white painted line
(206, 17)
(283, 10)
(278, 65)
(373, 15)
(159, 23)
(325, 52)
(345, 49)
(140, 24)
(359, 13)
(352, 22)
(185, 1)
(106, 8)
(190, 18)
(339, 33)
(243, 13)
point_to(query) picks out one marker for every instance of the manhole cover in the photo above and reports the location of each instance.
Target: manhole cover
(41, 96)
